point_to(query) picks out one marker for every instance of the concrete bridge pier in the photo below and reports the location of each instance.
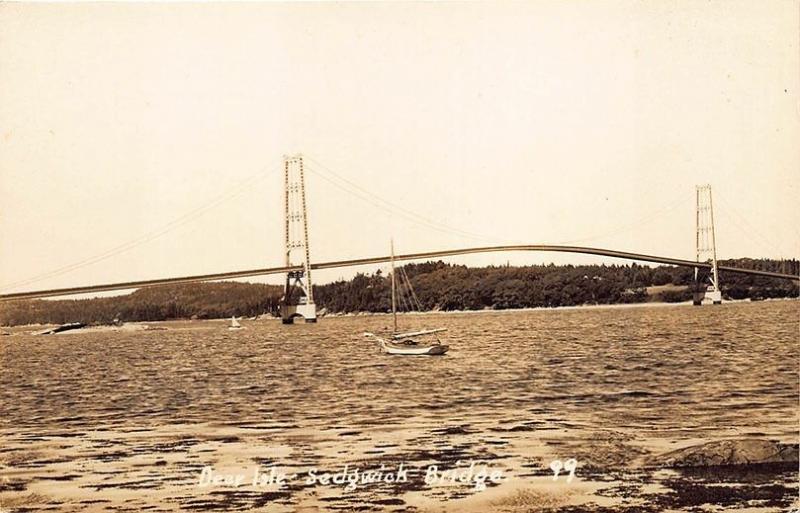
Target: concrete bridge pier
(307, 312)
(711, 295)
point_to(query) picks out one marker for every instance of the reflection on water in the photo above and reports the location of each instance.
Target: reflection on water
(130, 418)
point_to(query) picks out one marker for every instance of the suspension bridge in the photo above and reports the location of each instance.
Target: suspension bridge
(298, 300)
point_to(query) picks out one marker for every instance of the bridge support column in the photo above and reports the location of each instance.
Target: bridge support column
(706, 245)
(298, 295)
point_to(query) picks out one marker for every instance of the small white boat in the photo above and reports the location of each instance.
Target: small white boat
(406, 343)
(409, 346)
(235, 324)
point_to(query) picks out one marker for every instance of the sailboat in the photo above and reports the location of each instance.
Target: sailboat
(235, 324)
(406, 343)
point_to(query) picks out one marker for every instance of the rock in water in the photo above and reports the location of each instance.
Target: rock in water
(729, 452)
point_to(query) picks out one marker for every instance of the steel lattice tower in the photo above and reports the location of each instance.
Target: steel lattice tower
(706, 244)
(298, 297)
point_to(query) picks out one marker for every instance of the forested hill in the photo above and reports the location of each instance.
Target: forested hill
(453, 287)
(198, 300)
(438, 286)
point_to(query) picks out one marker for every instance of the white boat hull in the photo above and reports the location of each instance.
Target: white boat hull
(433, 350)
(410, 349)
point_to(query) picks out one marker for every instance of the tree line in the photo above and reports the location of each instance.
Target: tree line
(193, 300)
(437, 286)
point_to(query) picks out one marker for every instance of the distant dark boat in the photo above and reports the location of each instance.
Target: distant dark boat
(63, 327)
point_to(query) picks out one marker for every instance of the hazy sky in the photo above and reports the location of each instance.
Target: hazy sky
(154, 133)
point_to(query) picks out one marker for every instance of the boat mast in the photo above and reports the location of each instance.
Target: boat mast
(394, 306)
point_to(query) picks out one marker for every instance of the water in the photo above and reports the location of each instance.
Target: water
(107, 420)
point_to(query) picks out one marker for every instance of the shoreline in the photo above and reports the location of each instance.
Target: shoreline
(656, 304)
(144, 325)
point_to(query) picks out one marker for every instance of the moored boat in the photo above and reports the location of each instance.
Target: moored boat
(407, 343)
(409, 346)
(235, 324)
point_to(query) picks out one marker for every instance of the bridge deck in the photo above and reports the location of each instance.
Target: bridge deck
(382, 259)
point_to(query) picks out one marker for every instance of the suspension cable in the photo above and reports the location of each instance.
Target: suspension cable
(243, 186)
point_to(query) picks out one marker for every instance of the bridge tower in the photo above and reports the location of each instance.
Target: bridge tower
(298, 297)
(706, 245)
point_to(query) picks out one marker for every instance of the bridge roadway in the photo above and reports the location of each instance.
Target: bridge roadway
(383, 259)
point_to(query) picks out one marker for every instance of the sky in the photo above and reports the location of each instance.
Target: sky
(142, 141)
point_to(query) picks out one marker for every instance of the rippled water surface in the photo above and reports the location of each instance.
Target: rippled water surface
(108, 420)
